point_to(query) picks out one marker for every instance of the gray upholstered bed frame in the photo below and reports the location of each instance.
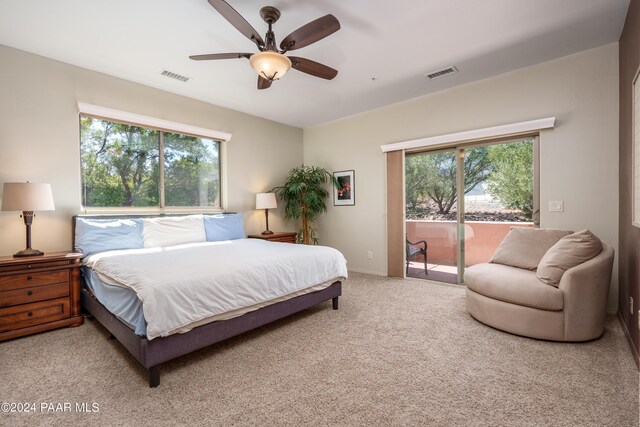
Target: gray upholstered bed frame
(152, 353)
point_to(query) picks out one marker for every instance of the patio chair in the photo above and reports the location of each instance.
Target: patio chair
(416, 248)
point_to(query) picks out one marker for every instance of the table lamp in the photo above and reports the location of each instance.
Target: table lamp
(266, 201)
(27, 197)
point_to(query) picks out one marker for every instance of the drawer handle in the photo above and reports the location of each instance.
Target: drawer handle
(30, 313)
(29, 277)
(30, 293)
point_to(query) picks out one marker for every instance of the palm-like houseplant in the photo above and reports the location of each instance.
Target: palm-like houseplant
(304, 193)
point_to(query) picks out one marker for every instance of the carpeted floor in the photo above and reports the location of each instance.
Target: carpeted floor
(398, 352)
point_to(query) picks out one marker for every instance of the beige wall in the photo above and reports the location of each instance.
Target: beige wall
(579, 158)
(39, 141)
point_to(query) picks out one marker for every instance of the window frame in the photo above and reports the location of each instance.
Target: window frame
(395, 264)
(177, 128)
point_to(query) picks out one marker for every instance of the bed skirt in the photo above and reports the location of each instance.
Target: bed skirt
(152, 353)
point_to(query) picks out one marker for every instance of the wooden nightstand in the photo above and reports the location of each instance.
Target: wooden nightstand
(39, 293)
(286, 236)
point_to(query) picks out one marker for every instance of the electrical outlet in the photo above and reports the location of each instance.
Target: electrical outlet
(369, 255)
(631, 305)
(556, 206)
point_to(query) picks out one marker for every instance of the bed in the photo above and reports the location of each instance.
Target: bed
(167, 285)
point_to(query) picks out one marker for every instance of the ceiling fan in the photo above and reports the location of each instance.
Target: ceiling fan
(270, 63)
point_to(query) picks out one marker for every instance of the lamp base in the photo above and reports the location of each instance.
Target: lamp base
(267, 232)
(28, 252)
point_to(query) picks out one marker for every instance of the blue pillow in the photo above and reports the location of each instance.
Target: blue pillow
(100, 235)
(224, 227)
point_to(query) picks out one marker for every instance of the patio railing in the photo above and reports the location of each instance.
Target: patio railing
(481, 239)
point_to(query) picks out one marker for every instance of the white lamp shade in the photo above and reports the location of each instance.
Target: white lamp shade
(27, 196)
(269, 64)
(266, 201)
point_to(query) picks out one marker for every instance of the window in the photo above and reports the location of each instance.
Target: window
(132, 166)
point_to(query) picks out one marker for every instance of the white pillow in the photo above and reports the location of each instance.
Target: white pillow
(173, 230)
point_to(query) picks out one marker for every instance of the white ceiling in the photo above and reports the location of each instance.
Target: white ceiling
(395, 42)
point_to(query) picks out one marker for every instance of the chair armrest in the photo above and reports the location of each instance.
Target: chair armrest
(586, 290)
(419, 242)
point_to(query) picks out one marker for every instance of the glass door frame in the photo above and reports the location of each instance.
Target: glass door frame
(459, 151)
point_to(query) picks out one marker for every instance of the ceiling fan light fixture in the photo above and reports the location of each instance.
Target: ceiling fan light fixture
(270, 65)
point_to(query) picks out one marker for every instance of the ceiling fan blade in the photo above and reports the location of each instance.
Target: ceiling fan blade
(219, 56)
(311, 33)
(235, 19)
(313, 68)
(263, 83)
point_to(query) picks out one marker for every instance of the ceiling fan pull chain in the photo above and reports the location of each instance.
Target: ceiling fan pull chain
(270, 78)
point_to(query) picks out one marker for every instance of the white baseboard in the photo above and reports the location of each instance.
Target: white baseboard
(375, 273)
(627, 334)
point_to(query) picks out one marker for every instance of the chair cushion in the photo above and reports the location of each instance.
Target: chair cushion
(570, 251)
(513, 285)
(525, 247)
(413, 250)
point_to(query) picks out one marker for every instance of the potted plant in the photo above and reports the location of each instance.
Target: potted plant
(304, 193)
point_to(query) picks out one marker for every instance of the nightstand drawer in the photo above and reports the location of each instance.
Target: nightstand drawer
(21, 316)
(34, 294)
(27, 280)
(32, 265)
(283, 236)
(286, 239)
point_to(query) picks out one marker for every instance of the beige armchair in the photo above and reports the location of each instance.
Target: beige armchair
(513, 299)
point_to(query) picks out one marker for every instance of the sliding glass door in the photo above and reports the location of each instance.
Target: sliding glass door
(462, 201)
(431, 215)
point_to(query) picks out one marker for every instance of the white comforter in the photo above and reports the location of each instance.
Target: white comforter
(179, 285)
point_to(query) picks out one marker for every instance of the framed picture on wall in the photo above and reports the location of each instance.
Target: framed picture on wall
(635, 152)
(345, 195)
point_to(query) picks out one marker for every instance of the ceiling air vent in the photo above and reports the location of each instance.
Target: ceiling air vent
(440, 73)
(174, 76)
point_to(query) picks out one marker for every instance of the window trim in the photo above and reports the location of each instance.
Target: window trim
(178, 129)
(105, 113)
(513, 130)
